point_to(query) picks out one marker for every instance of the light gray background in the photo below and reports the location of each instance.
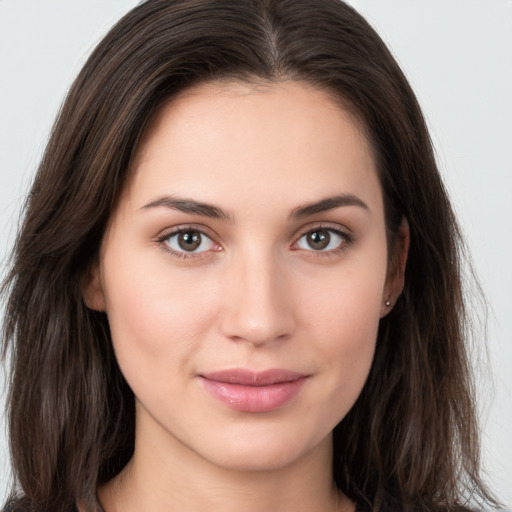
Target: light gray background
(458, 57)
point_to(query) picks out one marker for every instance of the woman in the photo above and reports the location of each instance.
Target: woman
(237, 283)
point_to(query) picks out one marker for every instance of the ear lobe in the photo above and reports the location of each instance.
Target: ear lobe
(92, 290)
(396, 271)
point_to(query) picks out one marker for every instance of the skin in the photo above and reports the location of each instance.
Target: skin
(254, 295)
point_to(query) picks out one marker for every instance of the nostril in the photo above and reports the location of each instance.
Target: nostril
(257, 327)
(256, 306)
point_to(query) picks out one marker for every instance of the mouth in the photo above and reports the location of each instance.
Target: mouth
(248, 391)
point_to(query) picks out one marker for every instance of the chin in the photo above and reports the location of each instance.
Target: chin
(256, 460)
(268, 453)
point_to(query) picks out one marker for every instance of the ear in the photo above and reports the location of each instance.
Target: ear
(396, 269)
(92, 290)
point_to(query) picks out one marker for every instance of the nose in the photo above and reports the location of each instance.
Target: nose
(257, 303)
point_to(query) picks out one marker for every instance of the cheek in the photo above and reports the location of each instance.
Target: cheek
(348, 332)
(154, 316)
(347, 301)
(346, 347)
(343, 314)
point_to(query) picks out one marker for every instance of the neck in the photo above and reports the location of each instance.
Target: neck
(176, 478)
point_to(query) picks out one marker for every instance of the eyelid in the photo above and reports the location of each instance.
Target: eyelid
(166, 234)
(345, 233)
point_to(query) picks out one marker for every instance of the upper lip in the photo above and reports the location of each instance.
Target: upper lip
(246, 377)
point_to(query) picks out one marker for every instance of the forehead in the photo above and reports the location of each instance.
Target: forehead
(253, 138)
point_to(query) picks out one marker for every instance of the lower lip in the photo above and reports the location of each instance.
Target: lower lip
(254, 398)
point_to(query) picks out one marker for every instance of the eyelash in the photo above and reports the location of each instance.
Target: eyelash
(346, 241)
(165, 237)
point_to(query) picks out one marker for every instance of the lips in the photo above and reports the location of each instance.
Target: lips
(249, 391)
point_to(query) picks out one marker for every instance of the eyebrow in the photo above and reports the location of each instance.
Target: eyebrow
(326, 204)
(207, 210)
(189, 206)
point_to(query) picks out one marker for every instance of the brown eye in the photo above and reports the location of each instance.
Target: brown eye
(322, 240)
(319, 239)
(189, 241)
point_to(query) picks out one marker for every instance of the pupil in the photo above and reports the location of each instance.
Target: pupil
(319, 239)
(189, 241)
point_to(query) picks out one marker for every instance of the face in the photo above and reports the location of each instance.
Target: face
(244, 273)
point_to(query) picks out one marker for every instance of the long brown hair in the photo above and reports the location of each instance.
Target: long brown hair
(410, 442)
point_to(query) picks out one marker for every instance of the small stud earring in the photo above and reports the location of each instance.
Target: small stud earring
(388, 303)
